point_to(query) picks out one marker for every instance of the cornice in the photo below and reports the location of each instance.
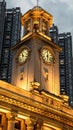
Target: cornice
(48, 111)
(33, 35)
(42, 103)
(49, 114)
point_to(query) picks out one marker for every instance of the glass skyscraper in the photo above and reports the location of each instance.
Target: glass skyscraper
(64, 40)
(2, 20)
(54, 33)
(11, 35)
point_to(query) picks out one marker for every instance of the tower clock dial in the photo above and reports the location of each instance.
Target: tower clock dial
(23, 55)
(46, 55)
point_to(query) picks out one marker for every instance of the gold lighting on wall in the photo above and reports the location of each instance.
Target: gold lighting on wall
(35, 85)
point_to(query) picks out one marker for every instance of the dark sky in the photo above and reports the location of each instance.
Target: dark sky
(62, 11)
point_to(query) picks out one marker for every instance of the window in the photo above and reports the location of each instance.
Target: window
(8, 37)
(62, 52)
(4, 73)
(36, 24)
(6, 53)
(62, 71)
(8, 26)
(72, 103)
(62, 79)
(5, 56)
(17, 125)
(61, 61)
(7, 42)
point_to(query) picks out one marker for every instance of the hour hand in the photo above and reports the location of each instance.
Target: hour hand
(22, 55)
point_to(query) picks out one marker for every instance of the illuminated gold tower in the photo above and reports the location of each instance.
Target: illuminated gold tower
(33, 100)
(36, 57)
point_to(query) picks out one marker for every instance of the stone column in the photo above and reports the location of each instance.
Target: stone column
(4, 121)
(30, 124)
(11, 120)
(39, 124)
(48, 28)
(23, 125)
(0, 128)
(41, 21)
(31, 25)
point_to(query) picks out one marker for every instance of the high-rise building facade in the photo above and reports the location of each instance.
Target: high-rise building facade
(12, 34)
(64, 40)
(54, 33)
(2, 19)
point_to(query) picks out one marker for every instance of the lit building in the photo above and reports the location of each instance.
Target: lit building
(66, 84)
(2, 19)
(33, 100)
(12, 34)
(54, 33)
(64, 40)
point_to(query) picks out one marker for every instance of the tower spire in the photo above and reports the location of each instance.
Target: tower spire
(37, 2)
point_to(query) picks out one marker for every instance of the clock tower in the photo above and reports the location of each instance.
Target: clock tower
(36, 56)
(33, 101)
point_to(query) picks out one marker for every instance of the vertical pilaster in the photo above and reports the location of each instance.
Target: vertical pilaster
(4, 121)
(48, 28)
(30, 124)
(23, 125)
(0, 127)
(40, 28)
(11, 120)
(31, 25)
(39, 124)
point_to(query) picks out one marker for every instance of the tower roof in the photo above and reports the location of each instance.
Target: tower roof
(37, 12)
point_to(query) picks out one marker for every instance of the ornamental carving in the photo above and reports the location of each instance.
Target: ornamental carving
(42, 111)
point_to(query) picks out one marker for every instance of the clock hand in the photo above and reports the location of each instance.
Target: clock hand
(47, 55)
(22, 55)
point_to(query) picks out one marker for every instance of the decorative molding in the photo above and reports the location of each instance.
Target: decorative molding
(11, 115)
(52, 103)
(30, 121)
(66, 119)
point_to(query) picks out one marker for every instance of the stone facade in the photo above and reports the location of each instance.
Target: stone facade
(36, 110)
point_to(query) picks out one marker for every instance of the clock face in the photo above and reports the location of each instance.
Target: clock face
(23, 55)
(46, 55)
